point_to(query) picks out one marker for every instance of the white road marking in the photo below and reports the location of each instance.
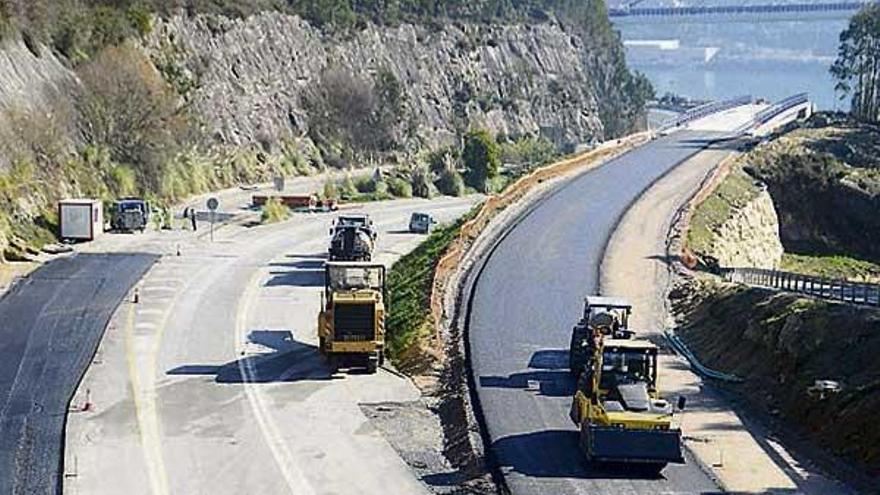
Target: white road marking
(284, 459)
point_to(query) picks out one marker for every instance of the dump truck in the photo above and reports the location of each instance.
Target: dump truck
(351, 325)
(617, 406)
(130, 214)
(352, 238)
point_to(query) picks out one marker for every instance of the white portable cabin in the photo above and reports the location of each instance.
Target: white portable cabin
(81, 219)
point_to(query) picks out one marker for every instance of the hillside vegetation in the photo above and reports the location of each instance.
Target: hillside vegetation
(781, 344)
(825, 183)
(170, 98)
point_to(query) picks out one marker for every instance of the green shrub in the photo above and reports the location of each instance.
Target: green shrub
(438, 159)
(528, 151)
(482, 159)
(274, 211)
(123, 180)
(347, 189)
(420, 179)
(381, 188)
(140, 18)
(330, 191)
(451, 182)
(364, 184)
(400, 188)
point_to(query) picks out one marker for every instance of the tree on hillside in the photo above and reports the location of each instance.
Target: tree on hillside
(360, 116)
(128, 108)
(449, 181)
(857, 68)
(482, 159)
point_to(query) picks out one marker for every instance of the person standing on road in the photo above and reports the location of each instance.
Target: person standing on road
(192, 217)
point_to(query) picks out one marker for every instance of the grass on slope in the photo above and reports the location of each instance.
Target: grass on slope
(734, 192)
(410, 279)
(274, 211)
(832, 266)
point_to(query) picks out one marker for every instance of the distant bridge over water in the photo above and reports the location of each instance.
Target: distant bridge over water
(683, 13)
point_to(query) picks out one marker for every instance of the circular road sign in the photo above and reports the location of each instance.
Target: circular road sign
(213, 204)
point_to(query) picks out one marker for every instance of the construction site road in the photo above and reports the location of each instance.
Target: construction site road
(50, 325)
(524, 303)
(212, 383)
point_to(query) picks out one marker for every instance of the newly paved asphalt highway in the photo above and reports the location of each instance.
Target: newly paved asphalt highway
(527, 298)
(50, 325)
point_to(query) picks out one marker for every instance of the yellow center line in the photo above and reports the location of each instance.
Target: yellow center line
(147, 416)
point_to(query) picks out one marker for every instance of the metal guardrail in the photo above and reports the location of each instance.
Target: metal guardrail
(780, 107)
(774, 111)
(825, 288)
(681, 348)
(704, 110)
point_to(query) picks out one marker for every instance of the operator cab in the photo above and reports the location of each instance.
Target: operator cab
(618, 308)
(359, 221)
(345, 276)
(628, 361)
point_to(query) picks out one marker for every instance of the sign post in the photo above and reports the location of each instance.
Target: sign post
(213, 204)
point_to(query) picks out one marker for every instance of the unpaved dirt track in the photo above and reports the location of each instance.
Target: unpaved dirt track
(50, 325)
(525, 301)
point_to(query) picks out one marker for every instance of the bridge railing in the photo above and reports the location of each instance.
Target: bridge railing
(781, 107)
(698, 10)
(705, 110)
(825, 288)
(774, 111)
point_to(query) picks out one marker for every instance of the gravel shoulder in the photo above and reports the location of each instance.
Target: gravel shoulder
(739, 454)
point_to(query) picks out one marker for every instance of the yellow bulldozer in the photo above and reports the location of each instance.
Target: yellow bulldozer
(351, 325)
(617, 406)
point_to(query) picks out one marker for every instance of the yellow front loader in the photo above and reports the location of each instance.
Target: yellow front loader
(351, 325)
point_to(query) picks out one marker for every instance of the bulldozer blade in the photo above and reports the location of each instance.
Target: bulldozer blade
(640, 446)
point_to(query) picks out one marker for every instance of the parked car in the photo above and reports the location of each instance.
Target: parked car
(420, 223)
(130, 214)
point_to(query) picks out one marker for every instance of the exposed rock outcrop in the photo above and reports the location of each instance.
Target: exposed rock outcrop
(749, 237)
(32, 85)
(735, 224)
(825, 183)
(251, 75)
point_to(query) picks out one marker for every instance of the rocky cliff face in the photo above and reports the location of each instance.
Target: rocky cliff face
(250, 76)
(32, 85)
(749, 237)
(825, 183)
(247, 83)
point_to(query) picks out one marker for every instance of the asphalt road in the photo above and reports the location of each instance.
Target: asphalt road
(50, 325)
(213, 384)
(525, 301)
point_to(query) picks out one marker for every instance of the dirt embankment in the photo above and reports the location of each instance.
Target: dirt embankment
(825, 184)
(781, 344)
